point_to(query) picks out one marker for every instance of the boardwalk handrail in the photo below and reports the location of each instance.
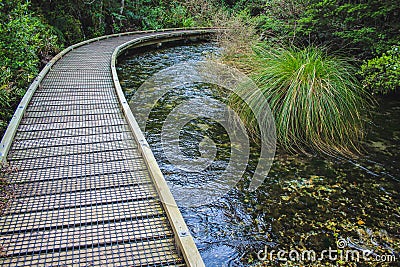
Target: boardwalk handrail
(11, 130)
(182, 234)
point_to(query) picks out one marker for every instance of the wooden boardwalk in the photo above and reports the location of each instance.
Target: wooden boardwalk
(87, 190)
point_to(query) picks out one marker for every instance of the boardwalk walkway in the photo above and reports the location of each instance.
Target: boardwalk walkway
(85, 195)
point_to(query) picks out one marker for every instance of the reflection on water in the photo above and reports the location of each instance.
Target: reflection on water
(305, 203)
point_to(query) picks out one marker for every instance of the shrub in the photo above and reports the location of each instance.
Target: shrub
(238, 39)
(172, 16)
(25, 40)
(381, 75)
(201, 11)
(363, 26)
(316, 100)
(178, 16)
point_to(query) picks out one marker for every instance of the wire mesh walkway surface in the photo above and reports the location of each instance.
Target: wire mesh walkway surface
(84, 195)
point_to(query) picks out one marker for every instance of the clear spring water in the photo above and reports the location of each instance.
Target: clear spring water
(306, 201)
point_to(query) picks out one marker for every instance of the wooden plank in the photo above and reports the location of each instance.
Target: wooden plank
(54, 94)
(75, 99)
(78, 216)
(74, 159)
(95, 234)
(69, 113)
(72, 140)
(117, 120)
(87, 197)
(72, 132)
(71, 119)
(57, 151)
(105, 167)
(73, 102)
(65, 185)
(57, 108)
(69, 125)
(146, 253)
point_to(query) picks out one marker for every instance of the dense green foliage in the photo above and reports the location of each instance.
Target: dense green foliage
(25, 40)
(382, 74)
(79, 19)
(366, 27)
(363, 28)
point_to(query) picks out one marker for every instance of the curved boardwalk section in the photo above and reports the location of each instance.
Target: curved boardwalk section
(84, 194)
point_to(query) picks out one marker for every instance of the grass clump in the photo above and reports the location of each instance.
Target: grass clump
(316, 99)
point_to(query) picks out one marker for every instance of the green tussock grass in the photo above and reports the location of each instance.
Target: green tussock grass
(317, 102)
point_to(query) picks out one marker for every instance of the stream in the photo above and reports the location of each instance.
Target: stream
(306, 202)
